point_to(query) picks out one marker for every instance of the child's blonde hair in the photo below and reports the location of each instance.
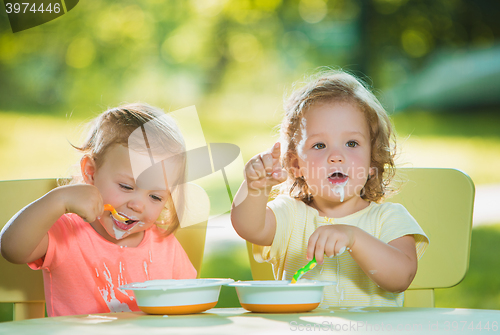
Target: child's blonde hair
(339, 86)
(116, 125)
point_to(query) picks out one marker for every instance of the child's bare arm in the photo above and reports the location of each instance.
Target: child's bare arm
(251, 219)
(24, 238)
(392, 266)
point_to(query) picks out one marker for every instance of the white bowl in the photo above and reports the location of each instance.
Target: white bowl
(177, 296)
(280, 296)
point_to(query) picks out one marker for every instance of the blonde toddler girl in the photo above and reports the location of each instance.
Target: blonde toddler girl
(336, 164)
(85, 253)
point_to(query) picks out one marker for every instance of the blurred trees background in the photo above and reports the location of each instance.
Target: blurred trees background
(176, 53)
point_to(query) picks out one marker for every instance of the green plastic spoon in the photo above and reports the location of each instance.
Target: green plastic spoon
(300, 272)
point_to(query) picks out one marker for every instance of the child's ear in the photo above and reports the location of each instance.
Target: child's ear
(372, 172)
(87, 165)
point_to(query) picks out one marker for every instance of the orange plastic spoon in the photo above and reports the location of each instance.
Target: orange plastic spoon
(117, 216)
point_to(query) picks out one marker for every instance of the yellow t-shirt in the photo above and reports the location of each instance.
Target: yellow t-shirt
(295, 222)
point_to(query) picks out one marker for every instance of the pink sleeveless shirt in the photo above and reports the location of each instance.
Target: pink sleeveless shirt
(82, 271)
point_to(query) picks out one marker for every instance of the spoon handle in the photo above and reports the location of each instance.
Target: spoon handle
(113, 211)
(300, 272)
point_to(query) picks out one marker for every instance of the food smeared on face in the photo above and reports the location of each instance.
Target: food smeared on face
(339, 181)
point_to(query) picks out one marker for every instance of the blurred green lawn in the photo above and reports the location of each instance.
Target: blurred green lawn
(479, 289)
(36, 146)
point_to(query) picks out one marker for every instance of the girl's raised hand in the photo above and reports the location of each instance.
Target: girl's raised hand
(82, 199)
(264, 170)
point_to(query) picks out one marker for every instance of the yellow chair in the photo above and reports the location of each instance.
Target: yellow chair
(22, 286)
(441, 200)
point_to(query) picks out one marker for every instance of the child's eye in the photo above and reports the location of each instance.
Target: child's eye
(126, 187)
(156, 198)
(319, 146)
(352, 144)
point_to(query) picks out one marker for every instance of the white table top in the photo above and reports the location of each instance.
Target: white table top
(232, 321)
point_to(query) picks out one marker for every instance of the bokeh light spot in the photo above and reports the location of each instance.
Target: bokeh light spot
(208, 7)
(183, 45)
(80, 53)
(416, 43)
(313, 11)
(8, 48)
(244, 47)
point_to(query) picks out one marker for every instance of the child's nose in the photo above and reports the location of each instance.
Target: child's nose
(336, 157)
(137, 205)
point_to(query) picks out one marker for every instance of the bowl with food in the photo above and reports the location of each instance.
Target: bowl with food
(280, 296)
(177, 296)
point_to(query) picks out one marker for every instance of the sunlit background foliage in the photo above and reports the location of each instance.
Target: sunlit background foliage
(174, 53)
(235, 59)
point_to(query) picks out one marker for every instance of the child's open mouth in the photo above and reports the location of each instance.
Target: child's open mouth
(338, 178)
(124, 225)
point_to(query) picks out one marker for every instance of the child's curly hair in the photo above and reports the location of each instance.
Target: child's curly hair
(116, 125)
(339, 86)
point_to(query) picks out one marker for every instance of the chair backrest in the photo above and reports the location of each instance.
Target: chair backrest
(22, 286)
(18, 283)
(441, 200)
